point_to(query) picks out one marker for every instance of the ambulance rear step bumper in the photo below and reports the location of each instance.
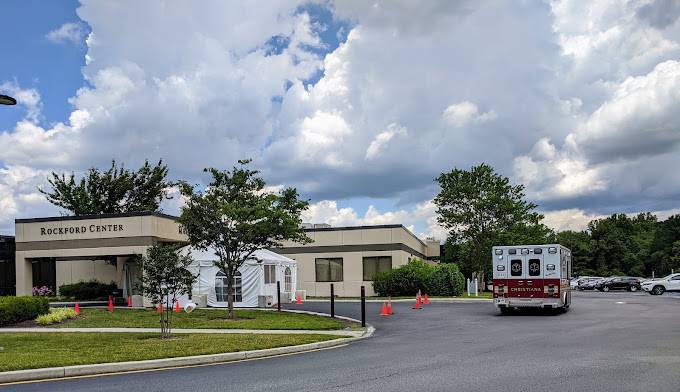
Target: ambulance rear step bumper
(534, 304)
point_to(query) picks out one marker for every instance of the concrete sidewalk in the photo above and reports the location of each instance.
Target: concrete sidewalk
(344, 333)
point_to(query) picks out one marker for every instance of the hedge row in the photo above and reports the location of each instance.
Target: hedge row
(440, 280)
(17, 309)
(87, 290)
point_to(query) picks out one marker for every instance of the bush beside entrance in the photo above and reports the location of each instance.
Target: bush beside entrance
(17, 309)
(87, 290)
(439, 280)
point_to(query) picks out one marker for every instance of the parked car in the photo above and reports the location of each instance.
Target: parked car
(660, 286)
(574, 283)
(588, 283)
(619, 283)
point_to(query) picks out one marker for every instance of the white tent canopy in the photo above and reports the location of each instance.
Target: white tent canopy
(257, 277)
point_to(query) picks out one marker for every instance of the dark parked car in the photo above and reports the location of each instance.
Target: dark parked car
(619, 283)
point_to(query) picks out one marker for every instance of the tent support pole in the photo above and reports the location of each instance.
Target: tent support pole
(278, 295)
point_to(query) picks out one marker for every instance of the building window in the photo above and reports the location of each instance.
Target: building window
(288, 279)
(375, 265)
(329, 270)
(269, 274)
(221, 290)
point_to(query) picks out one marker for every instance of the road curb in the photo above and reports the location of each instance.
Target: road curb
(153, 364)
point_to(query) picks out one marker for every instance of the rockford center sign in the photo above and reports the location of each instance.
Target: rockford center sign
(52, 231)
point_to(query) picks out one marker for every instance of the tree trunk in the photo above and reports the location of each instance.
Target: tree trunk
(230, 296)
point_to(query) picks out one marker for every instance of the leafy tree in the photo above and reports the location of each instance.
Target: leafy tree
(480, 209)
(621, 245)
(665, 247)
(235, 216)
(115, 190)
(164, 279)
(581, 250)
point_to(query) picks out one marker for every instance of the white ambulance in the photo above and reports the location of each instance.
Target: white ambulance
(535, 276)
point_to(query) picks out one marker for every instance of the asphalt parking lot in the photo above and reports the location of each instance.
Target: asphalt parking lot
(615, 341)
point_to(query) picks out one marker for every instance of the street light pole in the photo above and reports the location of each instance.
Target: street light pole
(7, 100)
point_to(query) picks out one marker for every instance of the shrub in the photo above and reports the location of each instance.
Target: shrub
(17, 309)
(56, 316)
(405, 280)
(87, 290)
(447, 280)
(440, 280)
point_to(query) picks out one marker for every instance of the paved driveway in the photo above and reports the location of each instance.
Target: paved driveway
(607, 342)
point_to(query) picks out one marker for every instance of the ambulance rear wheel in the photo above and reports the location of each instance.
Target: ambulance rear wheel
(506, 310)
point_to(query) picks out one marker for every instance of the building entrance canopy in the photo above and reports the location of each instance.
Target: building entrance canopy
(91, 247)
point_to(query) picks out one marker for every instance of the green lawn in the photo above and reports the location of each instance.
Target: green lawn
(485, 294)
(203, 318)
(39, 350)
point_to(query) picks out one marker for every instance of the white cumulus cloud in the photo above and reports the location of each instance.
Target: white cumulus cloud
(461, 114)
(68, 32)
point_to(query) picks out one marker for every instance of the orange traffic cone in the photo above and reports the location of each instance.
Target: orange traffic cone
(417, 306)
(110, 307)
(389, 306)
(159, 308)
(427, 300)
(129, 301)
(177, 307)
(77, 309)
(383, 310)
(299, 300)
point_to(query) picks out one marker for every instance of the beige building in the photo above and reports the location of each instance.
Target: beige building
(60, 250)
(348, 257)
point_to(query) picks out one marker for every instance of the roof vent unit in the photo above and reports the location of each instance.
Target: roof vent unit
(322, 226)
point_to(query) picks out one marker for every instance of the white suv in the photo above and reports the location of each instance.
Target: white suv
(659, 286)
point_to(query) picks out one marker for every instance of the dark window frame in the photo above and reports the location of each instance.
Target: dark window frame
(377, 260)
(328, 261)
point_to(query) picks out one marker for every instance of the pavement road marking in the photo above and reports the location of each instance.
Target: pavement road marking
(166, 368)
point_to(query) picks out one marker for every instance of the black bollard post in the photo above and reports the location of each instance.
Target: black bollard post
(332, 301)
(363, 306)
(278, 296)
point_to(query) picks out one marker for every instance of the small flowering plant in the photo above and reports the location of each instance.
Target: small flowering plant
(43, 291)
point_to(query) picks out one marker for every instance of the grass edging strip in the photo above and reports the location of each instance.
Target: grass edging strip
(115, 367)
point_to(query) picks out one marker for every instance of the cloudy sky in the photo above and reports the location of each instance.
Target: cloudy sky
(359, 104)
